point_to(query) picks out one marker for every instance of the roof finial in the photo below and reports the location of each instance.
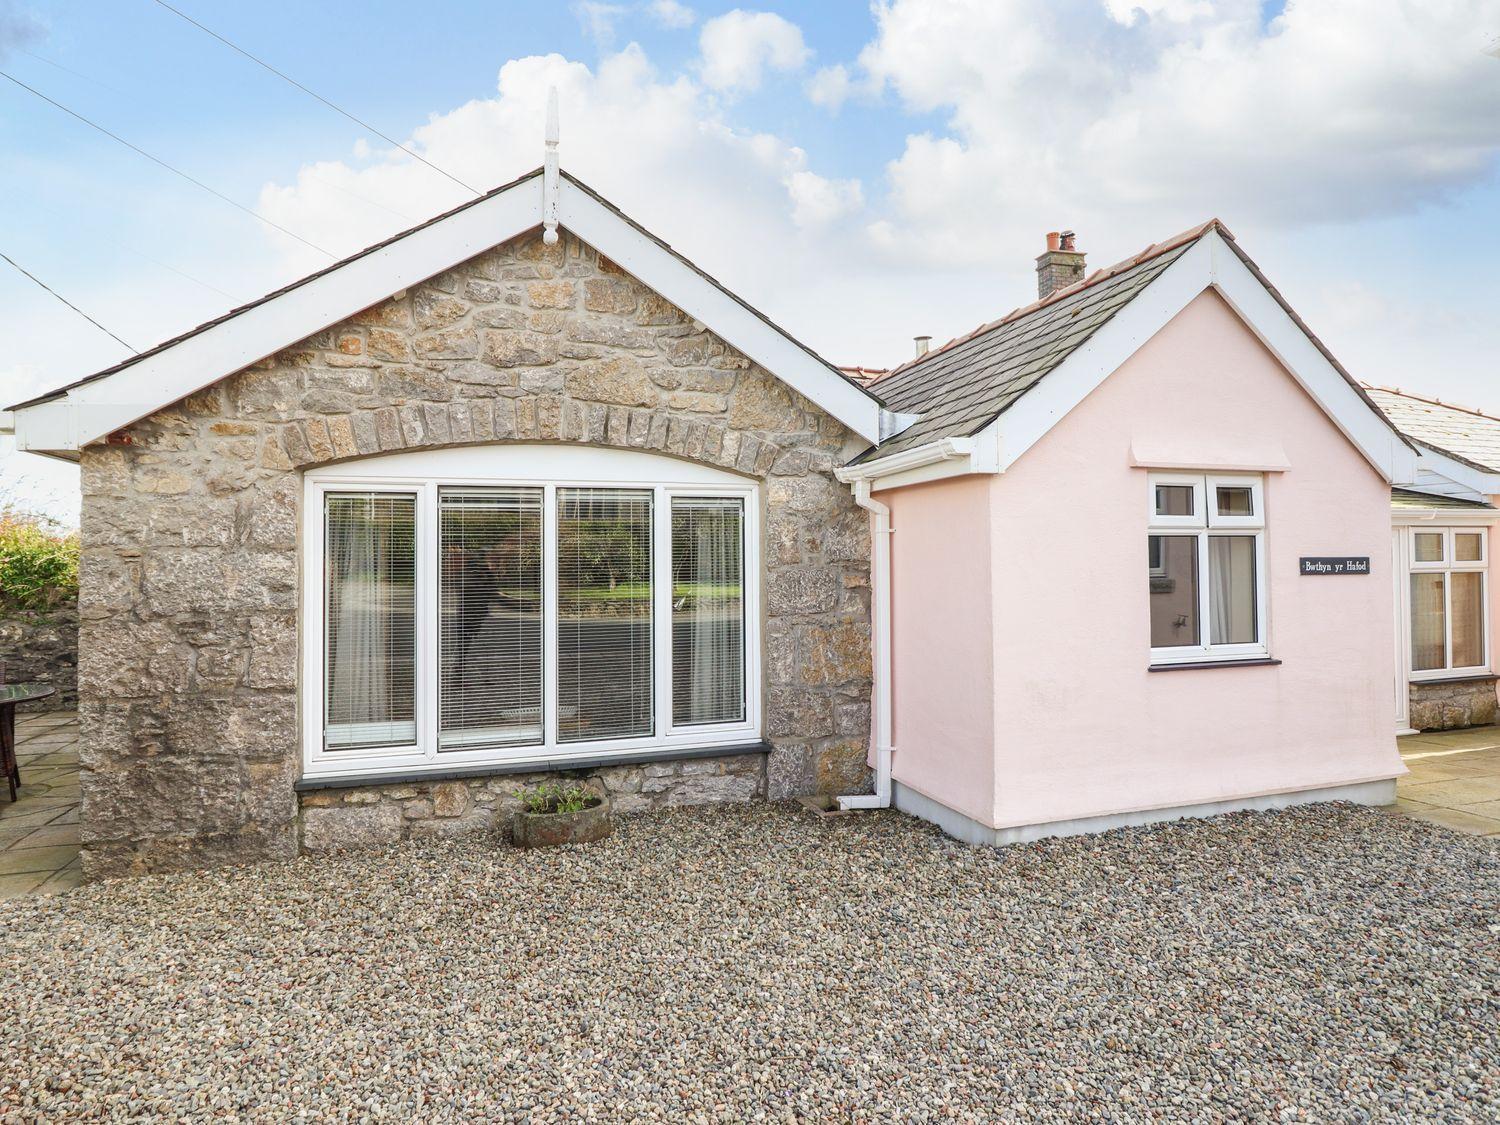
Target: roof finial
(549, 172)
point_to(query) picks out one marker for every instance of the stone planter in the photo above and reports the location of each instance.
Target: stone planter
(545, 830)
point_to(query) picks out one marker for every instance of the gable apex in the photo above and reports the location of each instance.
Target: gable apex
(63, 421)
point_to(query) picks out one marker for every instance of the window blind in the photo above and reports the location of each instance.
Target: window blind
(370, 625)
(604, 609)
(490, 617)
(708, 664)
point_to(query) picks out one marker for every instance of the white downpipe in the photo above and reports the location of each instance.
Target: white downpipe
(880, 608)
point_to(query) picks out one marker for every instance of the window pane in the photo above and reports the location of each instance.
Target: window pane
(1174, 499)
(1231, 589)
(490, 627)
(1429, 546)
(1467, 547)
(708, 664)
(1174, 591)
(603, 613)
(1426, 622)
(369, 650)
(1467, 592)
(1235, 501)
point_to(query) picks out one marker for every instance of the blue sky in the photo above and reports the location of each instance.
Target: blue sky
(864, 173)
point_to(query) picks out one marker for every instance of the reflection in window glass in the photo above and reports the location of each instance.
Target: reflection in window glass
(604, 613)
(1429, 546)
(1466, 590)
(1174, 499)
(1427, 615)
(1235, 501)
(1231, 589)
(1174, 590)
(490, 625)
(1467, 547)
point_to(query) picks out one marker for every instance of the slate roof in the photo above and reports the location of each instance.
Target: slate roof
(1470, 436)
(1405, 498)
(967, 383)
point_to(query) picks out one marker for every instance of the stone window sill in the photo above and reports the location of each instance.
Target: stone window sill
(555, 765)
(1189, 666)
(1433, 681)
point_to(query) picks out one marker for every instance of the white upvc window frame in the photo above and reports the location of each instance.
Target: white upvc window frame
(423, 474)
(1449, 564)
(1205, 524)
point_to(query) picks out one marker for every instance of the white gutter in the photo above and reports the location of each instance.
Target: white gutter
(880, 607)
(945, 449)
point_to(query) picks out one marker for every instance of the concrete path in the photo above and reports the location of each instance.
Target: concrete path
(39, 832)
(1455, 779)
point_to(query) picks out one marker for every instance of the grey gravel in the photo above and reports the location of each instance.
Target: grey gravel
(756, 963)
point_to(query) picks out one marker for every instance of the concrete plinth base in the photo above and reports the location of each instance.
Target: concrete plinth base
(963, 827)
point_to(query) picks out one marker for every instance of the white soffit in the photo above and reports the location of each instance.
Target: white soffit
(95, 409)
(1209, 263)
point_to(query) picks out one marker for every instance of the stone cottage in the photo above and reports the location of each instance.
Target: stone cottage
(481, 502)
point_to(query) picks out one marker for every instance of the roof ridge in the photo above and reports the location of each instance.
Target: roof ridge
(1105, 273)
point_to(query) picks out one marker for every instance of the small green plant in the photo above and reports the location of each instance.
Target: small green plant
(38, 562)
(555, 797)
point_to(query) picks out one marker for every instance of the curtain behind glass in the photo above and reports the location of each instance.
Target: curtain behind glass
(708, 664)
(604, 611)
(1231, 589)
(1427, 614)
(370, 642)
(490, 626)
(1466, 591)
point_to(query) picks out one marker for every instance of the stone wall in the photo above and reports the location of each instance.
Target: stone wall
(372, 815)
(42, 645)
(1446, 705)
(189, 600)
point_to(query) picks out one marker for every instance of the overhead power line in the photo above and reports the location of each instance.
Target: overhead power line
(175, 171)
(27, 273)
(314, 94)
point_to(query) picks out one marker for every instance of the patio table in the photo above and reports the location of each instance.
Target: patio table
(10, 695)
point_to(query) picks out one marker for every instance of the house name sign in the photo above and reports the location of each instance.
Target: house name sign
(1347, 564)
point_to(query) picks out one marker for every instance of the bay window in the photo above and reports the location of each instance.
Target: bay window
(1206, 567)
(525, 604)
(1448, 601)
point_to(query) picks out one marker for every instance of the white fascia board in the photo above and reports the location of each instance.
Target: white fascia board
(937, 460)
(1477, 480)
(1209, 263)
(658, 268)
(97, 409)
(1458, 517)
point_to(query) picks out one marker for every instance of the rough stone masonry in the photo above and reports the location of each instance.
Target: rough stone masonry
(189, 580)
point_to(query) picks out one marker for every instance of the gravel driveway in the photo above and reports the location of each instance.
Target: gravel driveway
(1335, 963)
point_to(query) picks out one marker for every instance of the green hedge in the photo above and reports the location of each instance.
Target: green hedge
(38, 562)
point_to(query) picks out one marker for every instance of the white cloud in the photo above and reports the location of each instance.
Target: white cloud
(669, 13)
(829, 87)
(1340, 111)
(738, 47)
(598, 20)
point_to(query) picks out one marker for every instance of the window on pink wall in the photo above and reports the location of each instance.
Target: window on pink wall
(1205, 549)
(1449, 602)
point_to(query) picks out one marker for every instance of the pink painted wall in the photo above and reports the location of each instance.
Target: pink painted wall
(943, 680)
(1020, 616)
(1084, 729)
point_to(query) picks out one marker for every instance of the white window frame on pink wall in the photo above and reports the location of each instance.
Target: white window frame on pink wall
(550, 468)
(1447, 566)
(1205, 523)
